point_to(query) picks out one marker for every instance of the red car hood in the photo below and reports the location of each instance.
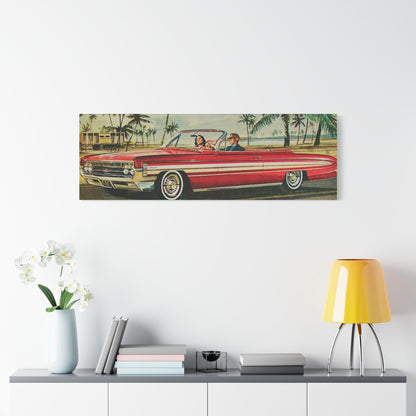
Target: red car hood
(129, 156)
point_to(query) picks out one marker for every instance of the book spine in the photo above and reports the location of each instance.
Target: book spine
(106, 346)
(179, 349)
(108, 369)
(150, 371)
(149, 364)
(273, 370)
(150, 357)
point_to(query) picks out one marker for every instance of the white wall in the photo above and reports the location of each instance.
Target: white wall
(264, 286)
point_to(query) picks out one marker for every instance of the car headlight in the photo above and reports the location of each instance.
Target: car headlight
(88, 167)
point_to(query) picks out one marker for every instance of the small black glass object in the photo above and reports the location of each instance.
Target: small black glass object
(211, 361)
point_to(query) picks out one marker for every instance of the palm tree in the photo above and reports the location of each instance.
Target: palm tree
(297, 122)
(306, 130)
(268, 119)
(248, 120)
(85, 127)
(92, 117)
(140, 132)
(136, 120)
(154, 131)
(148, 133)
(165, 129)
(172, 128)
(327, 122)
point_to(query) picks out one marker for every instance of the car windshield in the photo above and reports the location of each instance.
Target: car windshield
(187, 138)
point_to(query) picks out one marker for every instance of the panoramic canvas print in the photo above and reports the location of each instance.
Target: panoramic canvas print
(208, 156)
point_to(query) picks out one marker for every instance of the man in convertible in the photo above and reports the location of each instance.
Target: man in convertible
(234, 146)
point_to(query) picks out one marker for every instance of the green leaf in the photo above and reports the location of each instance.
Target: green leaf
(65, 298)
(72, 304)
(51, 309)
(49, 295)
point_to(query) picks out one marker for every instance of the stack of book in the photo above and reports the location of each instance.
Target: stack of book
(278, 364)
(111, 345)
(151, 359)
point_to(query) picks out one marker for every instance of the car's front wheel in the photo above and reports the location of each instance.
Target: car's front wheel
(293, 180)
(170, 185)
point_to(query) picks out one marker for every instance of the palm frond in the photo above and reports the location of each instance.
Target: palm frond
(266, 120)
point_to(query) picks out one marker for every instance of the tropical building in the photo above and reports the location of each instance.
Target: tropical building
(99, 140)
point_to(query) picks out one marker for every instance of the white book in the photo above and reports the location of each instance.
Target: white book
(272, 359)
(106, 346)
(151, 371)
(118, 336)
(159, 349)
(148, 364)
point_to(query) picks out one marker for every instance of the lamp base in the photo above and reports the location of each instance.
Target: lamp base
(331, 353)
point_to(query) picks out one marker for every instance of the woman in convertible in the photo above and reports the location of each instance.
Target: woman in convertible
(200, 142)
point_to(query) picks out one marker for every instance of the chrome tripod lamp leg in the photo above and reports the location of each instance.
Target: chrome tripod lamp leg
(331, 353)
(383, 369)
(361, 350)
(352, 347)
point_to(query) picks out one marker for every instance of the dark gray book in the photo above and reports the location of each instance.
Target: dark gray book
(144, 349)
(276, 370)
(106, 346)
(118, 336)
(271, 359)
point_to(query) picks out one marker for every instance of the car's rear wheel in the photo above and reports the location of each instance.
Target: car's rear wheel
(293, 180)
(170, 185)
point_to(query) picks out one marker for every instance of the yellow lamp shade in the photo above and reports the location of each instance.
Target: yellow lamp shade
(357, 293)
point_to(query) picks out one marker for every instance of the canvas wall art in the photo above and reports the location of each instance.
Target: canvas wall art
(208, 156)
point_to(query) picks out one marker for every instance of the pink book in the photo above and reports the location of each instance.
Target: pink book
(150, 357)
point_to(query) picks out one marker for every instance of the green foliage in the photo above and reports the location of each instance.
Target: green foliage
(72, 304)
(172, 128)
(328, 122)
(65, 299)
(49, 295)
(266, 120)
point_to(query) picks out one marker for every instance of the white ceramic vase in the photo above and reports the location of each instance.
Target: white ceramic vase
(62, 354)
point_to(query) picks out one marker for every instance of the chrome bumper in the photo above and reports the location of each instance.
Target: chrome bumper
(135, 182)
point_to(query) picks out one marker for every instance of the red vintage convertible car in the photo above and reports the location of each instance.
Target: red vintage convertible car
(180, 166)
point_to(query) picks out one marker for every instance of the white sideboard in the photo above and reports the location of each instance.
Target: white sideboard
(36, 392)
(358, 399)
(157, 399)
(63, 399)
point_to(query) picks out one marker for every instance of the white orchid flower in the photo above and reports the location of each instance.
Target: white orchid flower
(53, 246)
(88, 297)
(69, 266)
(45, 256)
(64, 254)
(27, 275)
(27, 279)
(20, 264)
(82, 305)
(30, 257)
(71, 286)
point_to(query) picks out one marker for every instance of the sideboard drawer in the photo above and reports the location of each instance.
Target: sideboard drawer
(257, 399)
(157, 399)
(358, 399)
(63, 399)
